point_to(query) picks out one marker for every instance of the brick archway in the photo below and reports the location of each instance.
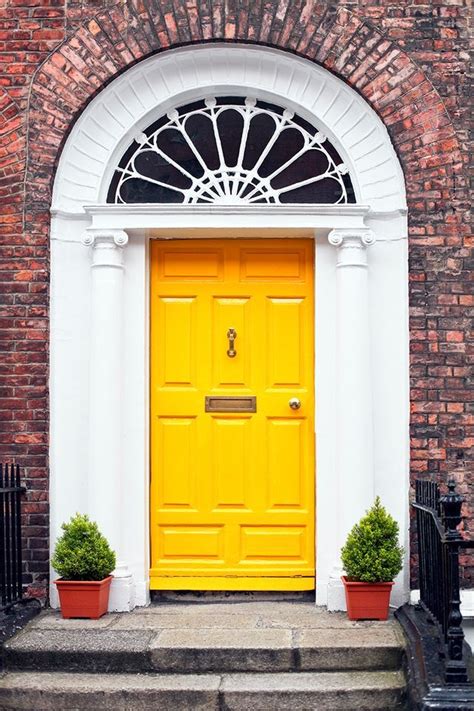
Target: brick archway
(381, 72)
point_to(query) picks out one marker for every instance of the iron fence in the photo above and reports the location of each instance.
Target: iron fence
(439, 543)
(11, 589)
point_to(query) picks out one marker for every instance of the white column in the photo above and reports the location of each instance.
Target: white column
(354, 488)
(106, 376)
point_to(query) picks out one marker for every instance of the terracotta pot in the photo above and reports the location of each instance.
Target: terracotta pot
(84, 598)
(367, 601)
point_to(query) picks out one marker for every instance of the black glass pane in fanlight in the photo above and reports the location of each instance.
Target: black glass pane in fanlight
(324, 191)
(194, 106)
(231, 101)
(201, 132)
(349, 188)
(288, 143)
(307, 166)
(261, 129)
(154, 166)
(267, 106)
(174, 144)
(333, 153)
(137, 190)
(113, 187)
(229, 125)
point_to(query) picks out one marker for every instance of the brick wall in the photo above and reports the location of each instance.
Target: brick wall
(407, 58)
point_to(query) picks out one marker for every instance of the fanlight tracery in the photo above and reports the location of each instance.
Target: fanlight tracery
(228, 151)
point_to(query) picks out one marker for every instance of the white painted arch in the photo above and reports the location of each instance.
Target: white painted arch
(378, 283)
(163, 82)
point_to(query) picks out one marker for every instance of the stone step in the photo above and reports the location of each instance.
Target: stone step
(152, 649)
(48, 691)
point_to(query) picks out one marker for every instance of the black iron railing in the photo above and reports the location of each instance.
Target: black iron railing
(11, 589)
(439, 542)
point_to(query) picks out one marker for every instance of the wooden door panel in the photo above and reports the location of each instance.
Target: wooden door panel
(285, 440)
(195, 544)
(176, 450)
(273, 544)
(182, 265)
(285, 342)
(231, 462)
(231, 312)
(175, 359)
(267, 263)
(232, 494)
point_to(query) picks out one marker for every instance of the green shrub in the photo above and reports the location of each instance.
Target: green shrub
(372, 553)
(82, 552)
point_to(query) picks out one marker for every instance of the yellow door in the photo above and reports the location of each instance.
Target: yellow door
(232, 480)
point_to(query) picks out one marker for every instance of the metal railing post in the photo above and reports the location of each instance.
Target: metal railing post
(11, 588)
(451, 504)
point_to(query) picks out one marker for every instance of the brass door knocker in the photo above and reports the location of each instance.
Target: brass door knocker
(231, 335)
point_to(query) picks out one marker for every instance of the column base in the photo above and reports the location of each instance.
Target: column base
(142, 592)
(122, 590)
(336, 593)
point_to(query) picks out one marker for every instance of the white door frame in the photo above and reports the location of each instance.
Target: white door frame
(99, 315)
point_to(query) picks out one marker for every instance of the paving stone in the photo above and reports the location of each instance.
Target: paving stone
(316, 692)
(288, 615)
(81, 650)
(250, 607)
(209, 650)
(45, 691)
(187, 620)
(356, 637)
(310, 619)
(54, 621)
(373, 648)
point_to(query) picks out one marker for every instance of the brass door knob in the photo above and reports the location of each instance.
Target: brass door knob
(295, 403)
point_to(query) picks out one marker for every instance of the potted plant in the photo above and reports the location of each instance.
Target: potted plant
(371, 558)
(84, 560)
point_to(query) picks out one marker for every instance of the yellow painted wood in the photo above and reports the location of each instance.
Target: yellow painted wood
(232, 494)
(229, 583)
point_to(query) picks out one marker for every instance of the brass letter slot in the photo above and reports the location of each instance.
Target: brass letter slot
(231, 403)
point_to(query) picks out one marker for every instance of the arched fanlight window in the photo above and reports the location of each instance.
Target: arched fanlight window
(229, 151)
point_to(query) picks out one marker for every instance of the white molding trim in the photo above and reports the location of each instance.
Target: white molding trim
(169, 79)
(229, 210)
(136, 218)
(145, 217)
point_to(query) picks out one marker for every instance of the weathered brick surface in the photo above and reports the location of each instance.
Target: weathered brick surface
(407, 58)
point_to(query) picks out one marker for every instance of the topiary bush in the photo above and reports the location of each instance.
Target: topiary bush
(371, 553)
(82, 552)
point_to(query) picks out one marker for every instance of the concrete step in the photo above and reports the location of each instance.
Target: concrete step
(50, 691)
(151, 648)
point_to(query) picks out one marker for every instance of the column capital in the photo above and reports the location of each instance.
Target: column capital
(351, 237)
(107, 246)
(95, 237)
(352, 246)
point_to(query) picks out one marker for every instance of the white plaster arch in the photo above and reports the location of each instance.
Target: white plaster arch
(95, 310)
(154, 86)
